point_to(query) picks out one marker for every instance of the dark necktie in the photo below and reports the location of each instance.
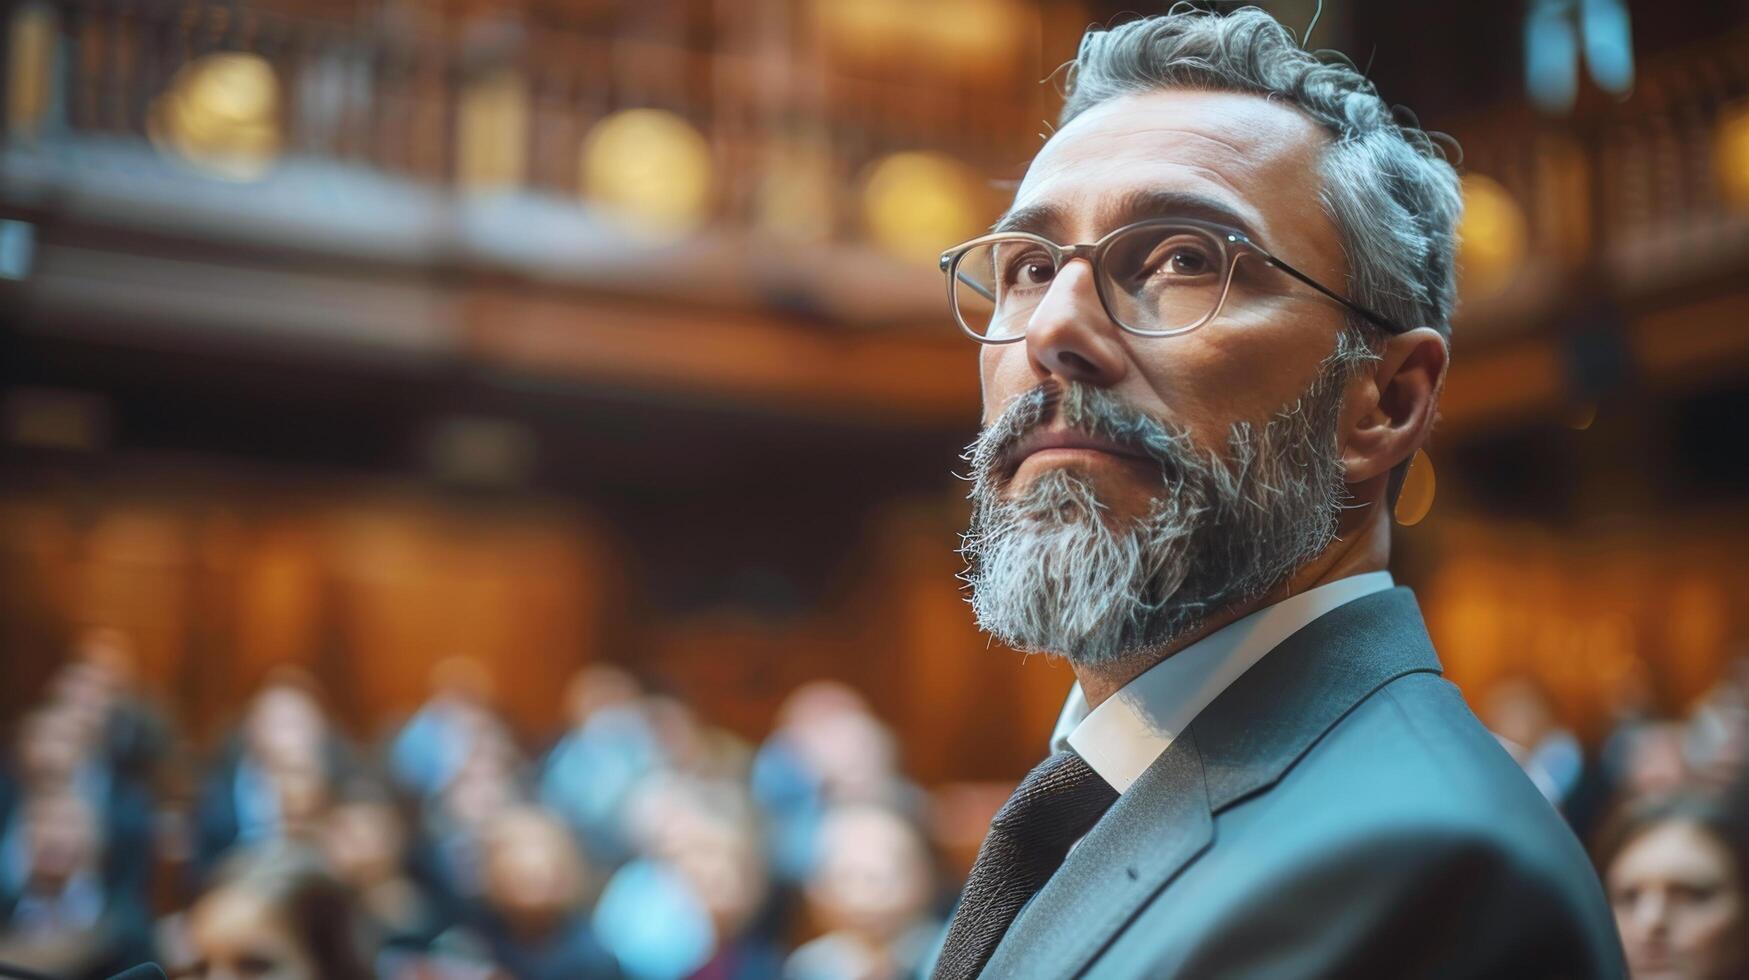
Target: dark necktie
(1056, 804)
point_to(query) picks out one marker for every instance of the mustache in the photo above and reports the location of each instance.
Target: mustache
(1084, 408)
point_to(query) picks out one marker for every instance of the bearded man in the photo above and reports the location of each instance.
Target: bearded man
(1195, 426)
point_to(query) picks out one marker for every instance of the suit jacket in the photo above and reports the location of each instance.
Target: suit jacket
(1336, 812)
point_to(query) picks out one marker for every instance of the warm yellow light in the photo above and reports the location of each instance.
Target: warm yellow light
(221, 113)
(1493, 238)
(970, 31)
(916, 204)
(1731, 156)
(492, 131)
(652, 169)
(30, 67)
(863, 28)
(967, 34)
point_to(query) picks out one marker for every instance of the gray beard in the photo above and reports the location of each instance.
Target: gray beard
(1052, 572)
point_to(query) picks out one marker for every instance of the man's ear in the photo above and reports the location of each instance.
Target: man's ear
(1398, 406)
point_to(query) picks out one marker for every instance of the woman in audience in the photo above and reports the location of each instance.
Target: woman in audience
(364, 840)
(1676, 870)
(273, 778)
(274, 914)
(871, 890)
(535, 918)
(57, 913)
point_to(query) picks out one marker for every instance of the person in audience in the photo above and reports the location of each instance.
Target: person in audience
(1717, 742)
(828, 748)
(721, 855)
(1677, 874)
(55, 754)
(449, 858)
(535, 919)
(1654, 762)
(871, 891)
(100, 682)
(1517, 710)
(690, 904)
(687, 744)
(274, 913)
(59, 914)
(275, 777)
(610, 745)
(432, 745)
(363, 838)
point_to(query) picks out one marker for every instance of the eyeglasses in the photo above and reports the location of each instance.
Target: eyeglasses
(1156, 278)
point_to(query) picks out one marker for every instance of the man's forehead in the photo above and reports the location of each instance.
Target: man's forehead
(1251, 155)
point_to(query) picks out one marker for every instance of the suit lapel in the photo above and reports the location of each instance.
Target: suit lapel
(1239, 746)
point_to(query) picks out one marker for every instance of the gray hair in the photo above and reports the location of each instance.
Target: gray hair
(1387, 186)
(1049, 573)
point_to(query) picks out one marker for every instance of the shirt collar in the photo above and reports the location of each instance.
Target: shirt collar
(1122, 737)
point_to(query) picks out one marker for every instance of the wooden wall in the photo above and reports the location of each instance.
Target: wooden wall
(368, 586)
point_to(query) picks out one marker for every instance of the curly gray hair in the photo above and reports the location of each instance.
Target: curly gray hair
(1388, 187)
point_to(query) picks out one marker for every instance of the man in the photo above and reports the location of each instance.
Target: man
(1194, 429)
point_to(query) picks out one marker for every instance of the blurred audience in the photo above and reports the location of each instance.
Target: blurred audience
(536, 884)
(99, 684)
(457, 817)
(693, 902)
(59, 914)
(1677, 873)
(273, 914)
(274, 776)
(1518, 712)
(828, 749)
(646, 843)
(364, 841)
(610, 746)
(435, 742)
(872, 890)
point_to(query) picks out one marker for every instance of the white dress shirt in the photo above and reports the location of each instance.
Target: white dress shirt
(1122, 737)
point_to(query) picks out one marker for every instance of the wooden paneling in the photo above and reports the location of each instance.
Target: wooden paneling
(365, 590)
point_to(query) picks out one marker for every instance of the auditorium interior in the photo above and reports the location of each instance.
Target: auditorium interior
(382, 343)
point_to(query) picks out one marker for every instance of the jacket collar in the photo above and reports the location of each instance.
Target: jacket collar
(1239, 746)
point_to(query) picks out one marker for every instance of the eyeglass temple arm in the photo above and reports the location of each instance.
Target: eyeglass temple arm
(1374, 318)
(977, 286)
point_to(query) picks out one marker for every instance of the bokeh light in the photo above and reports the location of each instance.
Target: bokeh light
(29, 68)
(1731, 156)
(1493, 238)
(916, 204)
(221, 113)
(492, 132)
(651, 169)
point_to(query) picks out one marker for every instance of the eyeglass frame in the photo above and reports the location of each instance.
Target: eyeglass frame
(1094, 253)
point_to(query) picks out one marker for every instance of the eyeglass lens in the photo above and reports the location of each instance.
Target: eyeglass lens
(1156, 278)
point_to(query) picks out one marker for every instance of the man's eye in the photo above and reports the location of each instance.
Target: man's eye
(1187, 262)
(1032, 270)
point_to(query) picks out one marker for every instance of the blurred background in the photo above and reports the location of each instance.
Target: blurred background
(475, 438)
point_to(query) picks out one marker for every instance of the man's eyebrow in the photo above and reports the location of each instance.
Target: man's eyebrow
(1041, 219)
(1140, 205)
(1037, 219)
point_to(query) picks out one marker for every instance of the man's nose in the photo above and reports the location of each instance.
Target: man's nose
(1070, 336)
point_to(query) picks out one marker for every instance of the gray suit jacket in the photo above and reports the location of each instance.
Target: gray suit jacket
(1337, 812)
